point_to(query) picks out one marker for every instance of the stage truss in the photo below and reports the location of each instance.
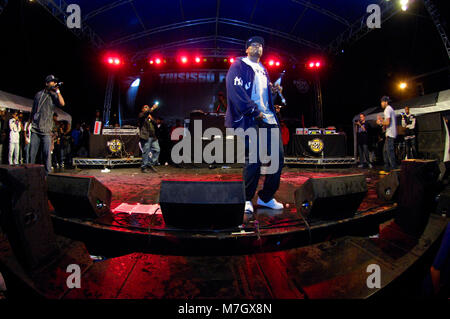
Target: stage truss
(320, 161)
(106, 162)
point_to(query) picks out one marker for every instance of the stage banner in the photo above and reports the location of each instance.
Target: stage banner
(315, 145)
(103, 146)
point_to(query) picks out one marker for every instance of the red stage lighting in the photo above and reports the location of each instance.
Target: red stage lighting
(197, 59)
(184, 59)
(231, 60)
(277, 63)
(151, 61)
(113, 60)
(158, 61)
(314, 64)
(271, 62)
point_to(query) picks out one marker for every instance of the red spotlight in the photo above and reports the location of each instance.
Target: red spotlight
(184, 59)
(110, 60)
(271, 62)
(317, 64)
(311, 65)
(231, 60)
(151, 61)
(277, 63)
(158, 61)
(197, 59)
(116, 61)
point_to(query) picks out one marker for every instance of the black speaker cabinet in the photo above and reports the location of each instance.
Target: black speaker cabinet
(25, 214)
(331, 197)
(216, 205)
(78, 196)
(387, 186)
(417, 195)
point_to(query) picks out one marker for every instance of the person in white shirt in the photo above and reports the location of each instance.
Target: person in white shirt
(390, 126)
(250, 105)
(14, 139)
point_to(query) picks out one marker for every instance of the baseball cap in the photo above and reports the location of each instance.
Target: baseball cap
(254, 39)
(50, 78)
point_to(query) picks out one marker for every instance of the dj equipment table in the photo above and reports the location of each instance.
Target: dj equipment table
(333, 145)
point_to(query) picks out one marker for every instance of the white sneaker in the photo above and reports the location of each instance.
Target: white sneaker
(273, 204)
(248, 207)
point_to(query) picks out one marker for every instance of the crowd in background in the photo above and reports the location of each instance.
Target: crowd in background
(68, 141)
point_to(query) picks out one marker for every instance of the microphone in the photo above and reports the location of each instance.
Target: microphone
(278, 82)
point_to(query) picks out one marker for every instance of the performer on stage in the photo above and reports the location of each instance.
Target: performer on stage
(44, 105)
(363, 141)
(409, 122)
(148, 141)
(389, 124)
(250, 105)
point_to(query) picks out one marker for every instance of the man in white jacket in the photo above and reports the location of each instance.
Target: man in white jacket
(14, 139)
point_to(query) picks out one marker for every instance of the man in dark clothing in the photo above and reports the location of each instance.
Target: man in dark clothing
(44, 105)
(148, 140)
(363, 141)
(250, 106)
(409, 123)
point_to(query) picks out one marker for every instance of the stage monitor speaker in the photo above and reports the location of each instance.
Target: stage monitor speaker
(25, 214)
(331, 197)
(78, 196)
(192, 204)
(416, 195)
(387, 186)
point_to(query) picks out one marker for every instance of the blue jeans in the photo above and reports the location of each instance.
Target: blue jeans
(389, 154)
(45, 141)
(150, 146)
(363, 150)
(252, 171)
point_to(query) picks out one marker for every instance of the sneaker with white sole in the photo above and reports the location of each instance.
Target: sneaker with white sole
(272, 204)
(248, 207)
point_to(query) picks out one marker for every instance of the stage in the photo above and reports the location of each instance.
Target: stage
(266, 230)
(272, 254)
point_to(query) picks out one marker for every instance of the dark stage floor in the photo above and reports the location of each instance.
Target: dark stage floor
(129, 185)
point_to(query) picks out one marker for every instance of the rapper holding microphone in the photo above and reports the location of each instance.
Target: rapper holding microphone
(44, 105)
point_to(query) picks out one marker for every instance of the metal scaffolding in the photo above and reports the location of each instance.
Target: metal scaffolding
(435, 16)
(359, 28)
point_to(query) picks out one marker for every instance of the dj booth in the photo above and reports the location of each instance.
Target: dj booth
(318, 145)
(115, 146)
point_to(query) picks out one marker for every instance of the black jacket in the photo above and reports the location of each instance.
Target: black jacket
(146, 126)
